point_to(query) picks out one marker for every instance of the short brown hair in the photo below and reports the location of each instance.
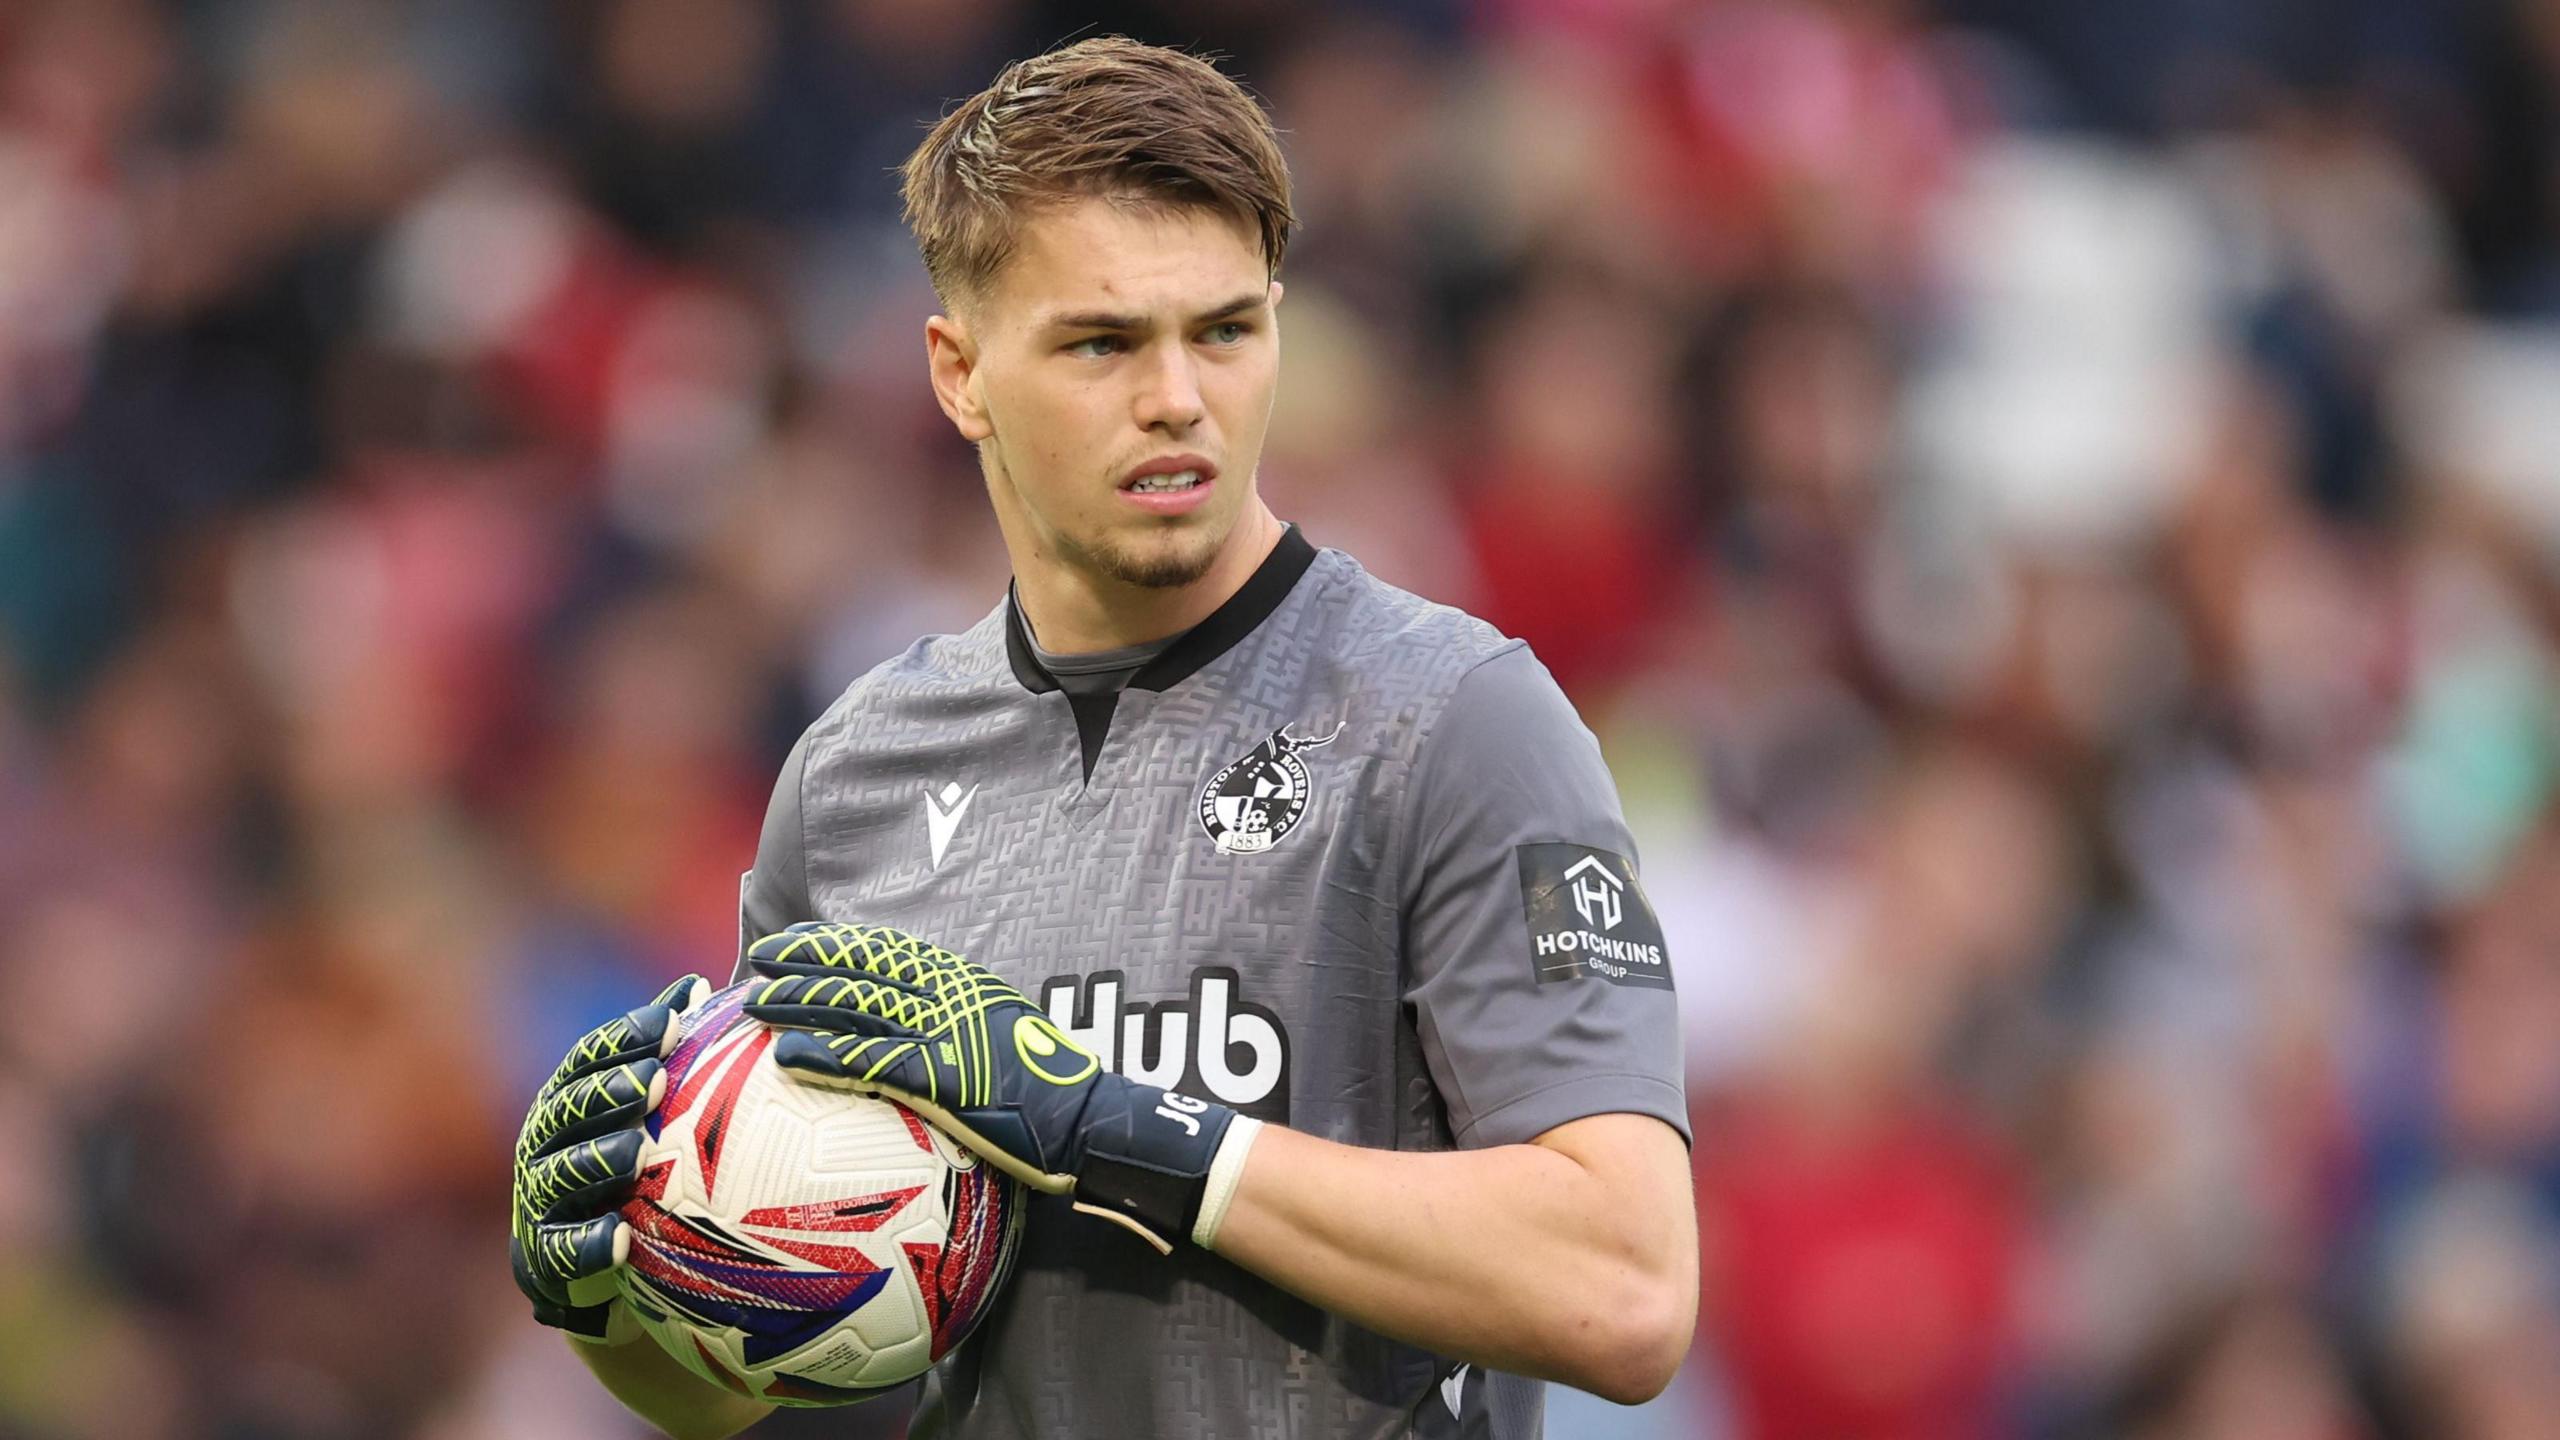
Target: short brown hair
(1103, 117)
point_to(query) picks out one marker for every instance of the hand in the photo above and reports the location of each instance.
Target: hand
(878, 1010)
(576, 1158)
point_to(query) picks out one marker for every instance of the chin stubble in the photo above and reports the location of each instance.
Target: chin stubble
(1160, 571)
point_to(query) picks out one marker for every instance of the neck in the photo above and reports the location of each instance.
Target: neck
(1073, 612)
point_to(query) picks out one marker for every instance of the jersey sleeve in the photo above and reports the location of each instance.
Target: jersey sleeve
(1534, 965)
(775, 894)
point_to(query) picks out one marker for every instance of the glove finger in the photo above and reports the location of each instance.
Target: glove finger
(591, 1106)
(819, 1001)
(681, 997)
(814, 943)
(894, 1063)
(827, 987)
(565, 1263)
(648, 1032)
(943, 988)
(600, 1285)
(597, 1323)
(872, 949)
(588, 1177)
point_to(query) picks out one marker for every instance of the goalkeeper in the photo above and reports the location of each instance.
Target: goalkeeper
(1308, 970)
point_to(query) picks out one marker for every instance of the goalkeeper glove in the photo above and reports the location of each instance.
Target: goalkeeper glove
(879, 1010)
(578, 1155)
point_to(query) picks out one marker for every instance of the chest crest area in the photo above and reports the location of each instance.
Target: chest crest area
(1252, 803)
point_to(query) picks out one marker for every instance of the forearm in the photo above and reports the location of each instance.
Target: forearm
(1516, 1257)
(654, 1387)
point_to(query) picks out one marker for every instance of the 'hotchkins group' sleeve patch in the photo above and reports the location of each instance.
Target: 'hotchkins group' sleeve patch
(1588, 917)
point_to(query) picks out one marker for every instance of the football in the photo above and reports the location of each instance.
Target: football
(798, 1244)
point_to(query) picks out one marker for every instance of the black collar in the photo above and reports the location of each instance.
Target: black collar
(1244, 611)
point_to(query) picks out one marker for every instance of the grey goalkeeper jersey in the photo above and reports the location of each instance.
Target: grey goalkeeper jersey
(1339, 857)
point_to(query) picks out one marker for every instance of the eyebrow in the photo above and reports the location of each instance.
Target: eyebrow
(1113, 320)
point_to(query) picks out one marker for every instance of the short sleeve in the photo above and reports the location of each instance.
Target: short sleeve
(1535, 967)
(775, 894)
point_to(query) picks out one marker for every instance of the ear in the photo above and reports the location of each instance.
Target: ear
(951, 356)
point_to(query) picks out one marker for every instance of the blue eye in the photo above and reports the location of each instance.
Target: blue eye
(1230, 332)
(1094, 347)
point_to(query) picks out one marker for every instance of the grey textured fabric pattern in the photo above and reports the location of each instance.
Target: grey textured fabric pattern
(1291, 886)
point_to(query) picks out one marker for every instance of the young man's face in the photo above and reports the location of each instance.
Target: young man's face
(1119, 340)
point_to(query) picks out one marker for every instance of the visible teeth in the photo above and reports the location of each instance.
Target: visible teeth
(1179, 480)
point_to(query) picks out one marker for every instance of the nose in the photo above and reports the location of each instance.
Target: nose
(1169, 396)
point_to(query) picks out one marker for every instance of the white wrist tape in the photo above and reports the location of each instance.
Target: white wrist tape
(1224, 1172)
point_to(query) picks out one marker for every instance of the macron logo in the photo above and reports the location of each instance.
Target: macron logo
(1596, 893)
(942, 816)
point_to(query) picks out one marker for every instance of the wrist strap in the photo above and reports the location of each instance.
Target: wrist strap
(1147, 1160)
(1157, 1204)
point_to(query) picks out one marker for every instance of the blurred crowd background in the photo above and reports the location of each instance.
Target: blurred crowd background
(2051, 505)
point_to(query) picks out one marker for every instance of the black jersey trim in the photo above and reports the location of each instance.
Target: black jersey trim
(1227, 625)
(1035, 677)
(1240, 616)
(1093, 724)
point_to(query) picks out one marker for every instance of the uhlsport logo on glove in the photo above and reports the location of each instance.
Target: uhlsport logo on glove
(1049, 1054)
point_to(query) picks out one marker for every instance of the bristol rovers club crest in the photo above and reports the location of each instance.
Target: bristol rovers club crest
(1251, 804)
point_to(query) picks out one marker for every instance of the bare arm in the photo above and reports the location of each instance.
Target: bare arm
(649, 1382)
(1572, 1258)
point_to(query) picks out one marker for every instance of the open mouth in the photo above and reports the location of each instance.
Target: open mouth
(1170, 485)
